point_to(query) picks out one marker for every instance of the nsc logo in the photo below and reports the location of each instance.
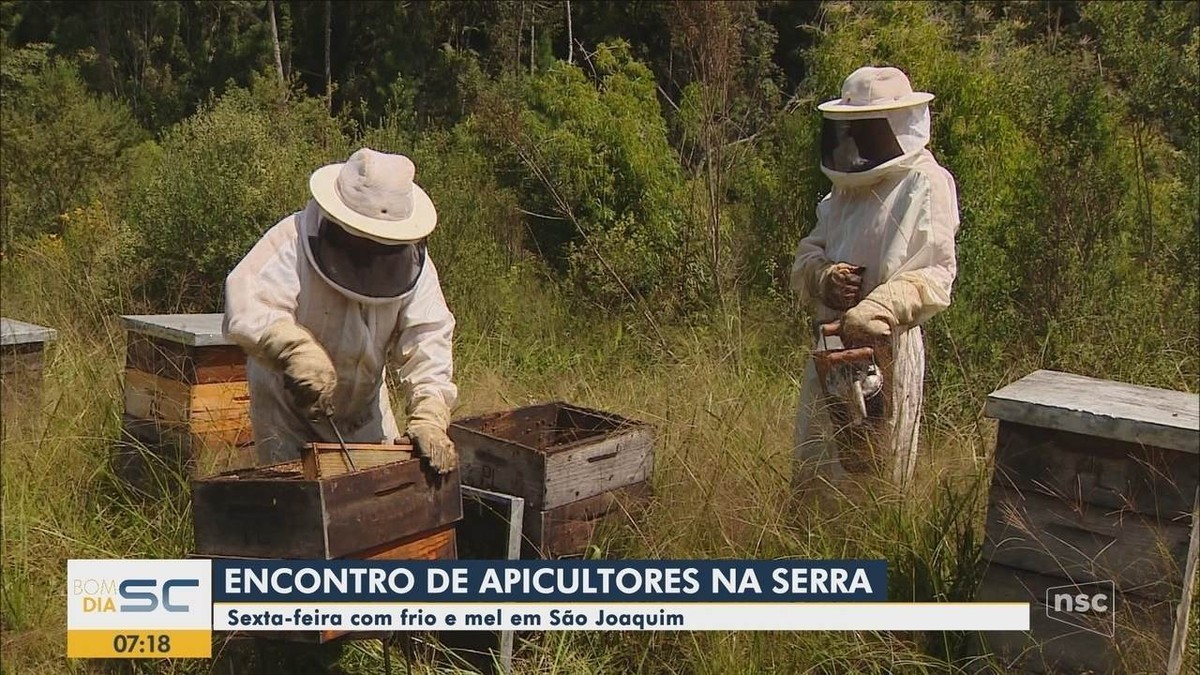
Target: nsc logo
(1089, 606)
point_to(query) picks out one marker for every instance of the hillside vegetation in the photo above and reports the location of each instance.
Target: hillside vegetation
(616, 225)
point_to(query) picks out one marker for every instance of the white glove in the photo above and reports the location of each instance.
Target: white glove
(427, 424)
(308, 372)
(896, 303)
(865, 323)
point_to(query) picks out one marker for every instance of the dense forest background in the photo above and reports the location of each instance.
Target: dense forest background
(621, 188)
(650, 158)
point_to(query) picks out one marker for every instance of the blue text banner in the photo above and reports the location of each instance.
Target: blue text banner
(706, 581)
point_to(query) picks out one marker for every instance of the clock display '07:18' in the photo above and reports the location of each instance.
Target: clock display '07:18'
(134, 643)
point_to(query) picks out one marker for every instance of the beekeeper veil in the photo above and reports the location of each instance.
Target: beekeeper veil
(878, 119)
(367, 236)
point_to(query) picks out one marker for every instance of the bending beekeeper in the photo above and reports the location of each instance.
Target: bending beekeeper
(880, 260)
(328, 298)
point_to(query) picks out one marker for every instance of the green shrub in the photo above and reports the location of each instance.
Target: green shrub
(62, 145)
(488, 278)
(223, 178)
(596, 177)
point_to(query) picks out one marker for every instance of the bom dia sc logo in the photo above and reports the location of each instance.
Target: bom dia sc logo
(132, 595)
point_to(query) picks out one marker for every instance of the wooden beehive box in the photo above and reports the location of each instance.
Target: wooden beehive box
(185, 394)
(1095, 482)
(395, 511)
(572, 466)
(22, 360)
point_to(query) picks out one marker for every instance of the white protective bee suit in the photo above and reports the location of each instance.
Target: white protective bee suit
(296, 323)
(898, 220)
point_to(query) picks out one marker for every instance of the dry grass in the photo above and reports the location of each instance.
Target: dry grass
(722, 401)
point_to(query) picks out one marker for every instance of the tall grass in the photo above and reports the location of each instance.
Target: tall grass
(722, 403)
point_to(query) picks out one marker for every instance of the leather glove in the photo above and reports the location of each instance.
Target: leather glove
(898, 302)
(866, 323)
(427, 423)
(308, 372)
(839, 285)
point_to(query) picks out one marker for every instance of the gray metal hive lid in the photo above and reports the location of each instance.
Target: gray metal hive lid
(13, 332)
(1101, 408)
(197, 330)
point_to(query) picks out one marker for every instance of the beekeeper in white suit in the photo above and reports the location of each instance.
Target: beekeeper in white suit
(333, 294)
(881, 258)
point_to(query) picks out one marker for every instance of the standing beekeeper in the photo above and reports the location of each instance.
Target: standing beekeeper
(328, 298)
(880, 260)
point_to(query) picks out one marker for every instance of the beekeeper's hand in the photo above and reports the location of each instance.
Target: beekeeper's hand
(895, 303)
(308, 372)
(840, 284)
(868, 322)
(427, 423)
(865, 323)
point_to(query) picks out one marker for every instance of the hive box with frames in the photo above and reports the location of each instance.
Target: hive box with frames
(22, 360)
(573, 466)
(390, 506)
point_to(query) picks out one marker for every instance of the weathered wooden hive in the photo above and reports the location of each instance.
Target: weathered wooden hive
(22, 361)
(399, 510)
(185, 394)
(1094, 494)
(572, 466)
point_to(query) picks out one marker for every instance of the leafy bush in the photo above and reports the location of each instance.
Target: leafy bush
(223, 178)
(596, 177)
(62, 144)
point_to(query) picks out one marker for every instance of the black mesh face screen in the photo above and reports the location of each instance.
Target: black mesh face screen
(365, 266)
(851, 146)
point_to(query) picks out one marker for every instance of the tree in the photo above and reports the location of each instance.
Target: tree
(570, 35)
(275, 41)
(724, 108)
(62, 144)
(328, 38)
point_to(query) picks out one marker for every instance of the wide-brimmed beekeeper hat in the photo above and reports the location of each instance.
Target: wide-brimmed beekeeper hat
(372, 194)
(871, 89)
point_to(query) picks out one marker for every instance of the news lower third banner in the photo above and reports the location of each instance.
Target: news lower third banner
(169, 608)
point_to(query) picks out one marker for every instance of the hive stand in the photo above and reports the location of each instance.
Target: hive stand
(186, 396)
(1094, 493)
(22, 360)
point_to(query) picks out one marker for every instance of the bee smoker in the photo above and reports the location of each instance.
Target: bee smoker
(852, 380)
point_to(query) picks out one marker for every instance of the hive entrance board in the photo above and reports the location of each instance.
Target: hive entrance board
(490, 530)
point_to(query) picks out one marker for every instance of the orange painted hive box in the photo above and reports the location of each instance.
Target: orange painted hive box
(186, 396)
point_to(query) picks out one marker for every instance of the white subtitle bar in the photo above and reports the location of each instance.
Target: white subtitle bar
(622, 616)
